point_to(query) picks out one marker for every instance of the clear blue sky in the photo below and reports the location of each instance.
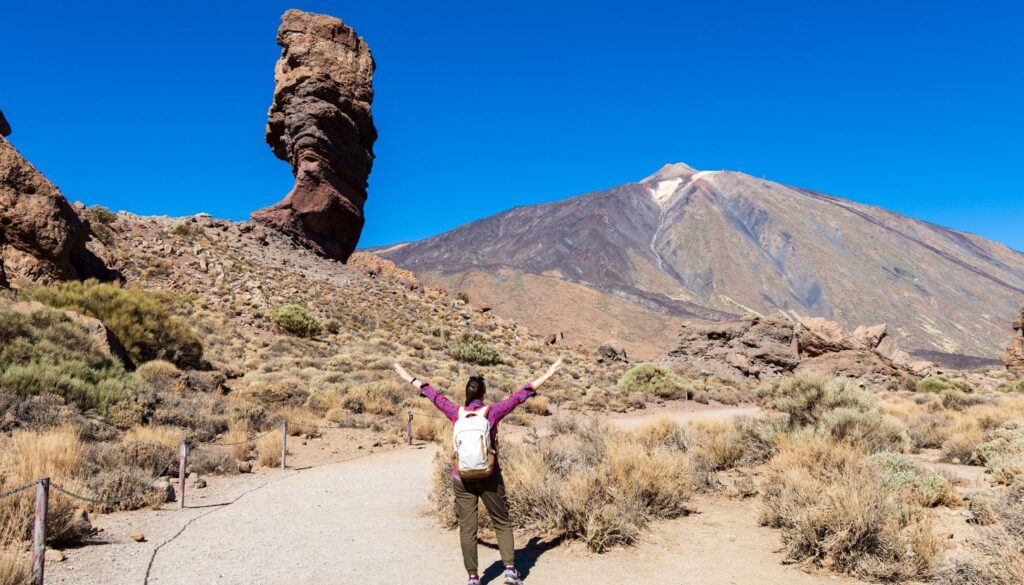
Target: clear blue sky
(159, 108)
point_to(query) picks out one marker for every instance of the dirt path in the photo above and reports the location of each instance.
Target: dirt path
(361, 521)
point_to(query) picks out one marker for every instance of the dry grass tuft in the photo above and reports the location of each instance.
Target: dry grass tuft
(268, 450)
(57, 454)
(835, 511)
(165, 435)
(588, 482)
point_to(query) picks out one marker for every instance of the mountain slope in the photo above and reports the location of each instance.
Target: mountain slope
(684, 243)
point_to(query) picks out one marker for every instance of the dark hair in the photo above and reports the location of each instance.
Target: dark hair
(475, 389)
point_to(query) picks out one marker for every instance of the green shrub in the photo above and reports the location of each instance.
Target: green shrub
(1017, 386)
(653, 379)
(806, 398)
(940, 385)
(141, 320)
(46, 352)
(296, 320)
(924, 486)
(871, 430)
(473, 348)
(99, 214)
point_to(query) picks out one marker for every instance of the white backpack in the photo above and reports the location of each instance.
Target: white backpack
(473, 456)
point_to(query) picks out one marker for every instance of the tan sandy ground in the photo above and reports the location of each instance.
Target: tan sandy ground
(362, 521)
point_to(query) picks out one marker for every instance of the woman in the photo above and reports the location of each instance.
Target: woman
(490, 489)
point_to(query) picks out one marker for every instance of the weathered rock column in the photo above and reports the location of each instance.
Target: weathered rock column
(321, 123)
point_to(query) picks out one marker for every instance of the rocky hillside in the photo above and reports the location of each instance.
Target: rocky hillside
(633, 260)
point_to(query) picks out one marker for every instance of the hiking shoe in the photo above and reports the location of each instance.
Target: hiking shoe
(512, 577)
(473, 581)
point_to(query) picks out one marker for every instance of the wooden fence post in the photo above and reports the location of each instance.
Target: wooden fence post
(408, 428)
(182, 463)
(39, 531)
(284, 443)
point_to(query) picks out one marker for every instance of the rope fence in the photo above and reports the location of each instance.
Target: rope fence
(44, 484)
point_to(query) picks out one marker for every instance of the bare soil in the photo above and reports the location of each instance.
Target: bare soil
(361, 519)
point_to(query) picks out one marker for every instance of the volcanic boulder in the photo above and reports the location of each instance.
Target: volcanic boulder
(42, 239)
(769, 347)
(1014, 356)
(321, 123)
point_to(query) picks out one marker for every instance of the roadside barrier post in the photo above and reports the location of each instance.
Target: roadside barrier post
(182, 463)
(284, 443)
(408, 428)
(39, 530)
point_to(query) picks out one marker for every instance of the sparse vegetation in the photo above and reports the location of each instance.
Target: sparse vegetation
(46, 352)
(296, 320)
(142, 320)
(654, 380)
(473, 348)
(834, 510)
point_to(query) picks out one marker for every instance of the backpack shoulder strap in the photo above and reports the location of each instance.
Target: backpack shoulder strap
(482, 411)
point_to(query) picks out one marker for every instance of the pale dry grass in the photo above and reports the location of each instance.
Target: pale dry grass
(14, 566)
(268, 450)
(236, 439)
(58, 454)
(429, 427)
(165, 435)
(586, 481)
(834, 511)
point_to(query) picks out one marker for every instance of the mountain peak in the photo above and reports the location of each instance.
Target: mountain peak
(670, 171)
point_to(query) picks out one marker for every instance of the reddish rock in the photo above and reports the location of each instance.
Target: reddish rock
(5, 128)
(1014, 356)
(42, 239)
(320, 122)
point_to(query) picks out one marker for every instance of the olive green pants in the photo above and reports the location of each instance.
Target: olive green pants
(492, 492)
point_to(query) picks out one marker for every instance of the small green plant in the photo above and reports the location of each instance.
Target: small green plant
(187, 229)
(473, 348)
(940, 385)
(1017, 386)
(296, 320)
(142, 320)
(99, 219)
(926, 487)
(653, 379)
(806, 398)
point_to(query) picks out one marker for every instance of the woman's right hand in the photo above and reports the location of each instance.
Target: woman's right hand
(401, 372)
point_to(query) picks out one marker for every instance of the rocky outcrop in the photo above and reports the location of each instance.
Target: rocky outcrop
(768, 347)
(42, 239)
(611, 352)
(320, 122)
(1014, 355)
(5, 128)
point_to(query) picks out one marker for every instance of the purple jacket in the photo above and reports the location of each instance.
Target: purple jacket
(495, 413)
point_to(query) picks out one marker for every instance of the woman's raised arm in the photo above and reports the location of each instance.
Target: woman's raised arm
(551, 372)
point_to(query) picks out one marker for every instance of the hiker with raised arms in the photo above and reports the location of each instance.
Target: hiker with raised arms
(475, 471)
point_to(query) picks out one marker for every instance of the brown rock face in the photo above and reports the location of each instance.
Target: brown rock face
(41, 237)
(320, 122)
(1014, 356)
(5, 128)
(768, 347)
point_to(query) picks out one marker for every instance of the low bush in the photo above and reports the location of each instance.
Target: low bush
(925, 487)
(268, 450)
(296, 320)
(807, 397)
(1002, 453)
(871, 431)
(654, 380)
(160, 375)
(940, 385)
(142, 320)
(46, 352)
(997, 555)
(473, 348)
(834, 510)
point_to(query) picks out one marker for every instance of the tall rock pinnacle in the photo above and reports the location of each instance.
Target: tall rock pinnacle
(321, 123)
